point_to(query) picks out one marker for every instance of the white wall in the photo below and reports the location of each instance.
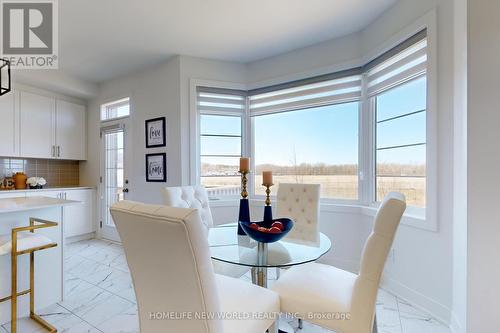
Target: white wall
(459, 304)
(483, 295)
(56, 81)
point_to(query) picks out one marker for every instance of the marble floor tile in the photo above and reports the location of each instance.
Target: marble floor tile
(25, 325)
(125, 322)
(119, 283)
(86, 300)
(74, 324)
(102, 311)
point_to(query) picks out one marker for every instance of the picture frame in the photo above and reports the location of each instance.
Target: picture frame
(155, 131)
(156, 167)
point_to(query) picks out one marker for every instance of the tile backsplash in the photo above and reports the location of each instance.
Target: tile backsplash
(56, 172)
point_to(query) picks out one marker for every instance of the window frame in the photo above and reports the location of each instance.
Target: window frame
(421, 218)
(115, 101)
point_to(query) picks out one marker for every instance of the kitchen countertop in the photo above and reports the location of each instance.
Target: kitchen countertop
(10, 205)
(56, 188)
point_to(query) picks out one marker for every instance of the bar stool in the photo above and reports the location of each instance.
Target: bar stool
(23, 241)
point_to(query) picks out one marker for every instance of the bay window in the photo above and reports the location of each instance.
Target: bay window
(307, 131)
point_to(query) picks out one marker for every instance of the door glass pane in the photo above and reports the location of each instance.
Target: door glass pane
(113, 164)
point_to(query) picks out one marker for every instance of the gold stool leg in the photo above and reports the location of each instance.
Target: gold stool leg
(13, 302)
(32, 284)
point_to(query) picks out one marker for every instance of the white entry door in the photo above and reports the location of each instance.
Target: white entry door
(114, 182)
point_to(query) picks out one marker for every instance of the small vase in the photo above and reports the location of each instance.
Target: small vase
(20, 180)
(244, 215)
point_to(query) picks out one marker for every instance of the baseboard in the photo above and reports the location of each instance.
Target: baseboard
(456, 325)
(422, 302)
(69, 240)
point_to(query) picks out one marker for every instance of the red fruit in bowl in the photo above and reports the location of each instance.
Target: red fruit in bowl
(275, 230)
(278, 225)
(262, 229)
(254, 226)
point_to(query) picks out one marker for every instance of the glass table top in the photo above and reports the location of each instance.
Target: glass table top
(227, 246)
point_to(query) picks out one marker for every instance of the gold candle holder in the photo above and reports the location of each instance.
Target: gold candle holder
(268, 193)
(244, 181)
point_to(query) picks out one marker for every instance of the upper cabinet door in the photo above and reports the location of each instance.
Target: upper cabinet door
(37, 125)
(70, 131)
(9, 134)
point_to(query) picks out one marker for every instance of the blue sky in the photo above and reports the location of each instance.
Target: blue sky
(328, 134)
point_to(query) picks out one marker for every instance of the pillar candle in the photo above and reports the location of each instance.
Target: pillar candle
(245, 164)
(267, 177)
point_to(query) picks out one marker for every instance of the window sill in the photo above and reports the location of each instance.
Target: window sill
(418, 221)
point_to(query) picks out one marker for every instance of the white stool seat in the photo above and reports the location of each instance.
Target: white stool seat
(25, 241)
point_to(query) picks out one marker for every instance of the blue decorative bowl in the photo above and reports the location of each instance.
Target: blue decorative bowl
(267, 237)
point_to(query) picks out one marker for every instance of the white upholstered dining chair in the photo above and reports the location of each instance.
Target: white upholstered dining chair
(300, 202)
(196, 197)
(348, 298)
(167, 253)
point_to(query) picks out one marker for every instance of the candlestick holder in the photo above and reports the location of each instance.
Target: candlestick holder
(244, 213)
(268, 210)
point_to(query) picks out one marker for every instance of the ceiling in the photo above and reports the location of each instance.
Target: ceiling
(102, 39)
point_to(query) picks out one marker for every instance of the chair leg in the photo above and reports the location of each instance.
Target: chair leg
(13, 300)
(301, 324)
(274, 327)
(375, 328)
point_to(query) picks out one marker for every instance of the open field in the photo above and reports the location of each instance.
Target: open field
(332, 186)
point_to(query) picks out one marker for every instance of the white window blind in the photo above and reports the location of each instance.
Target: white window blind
(334, 91)
(220, 101)
(407, 64)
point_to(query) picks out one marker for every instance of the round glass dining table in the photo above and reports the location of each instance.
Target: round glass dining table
(227, 246)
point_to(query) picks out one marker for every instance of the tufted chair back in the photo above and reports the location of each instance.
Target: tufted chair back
(169, 261)
(189, 197)
(300, 202)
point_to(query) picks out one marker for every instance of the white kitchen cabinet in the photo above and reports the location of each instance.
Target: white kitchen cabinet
(50, 128)
(9, 134)
(70, 131)
(78, 219)
(36, 125)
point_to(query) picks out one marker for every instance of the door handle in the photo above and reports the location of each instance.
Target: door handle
(58, 151)
(53, 151)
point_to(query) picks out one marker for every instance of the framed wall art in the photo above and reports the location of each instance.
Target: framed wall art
(156, 132)
(156, 167)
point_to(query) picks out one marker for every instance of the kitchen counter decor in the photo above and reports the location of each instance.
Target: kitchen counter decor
(36, 182)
